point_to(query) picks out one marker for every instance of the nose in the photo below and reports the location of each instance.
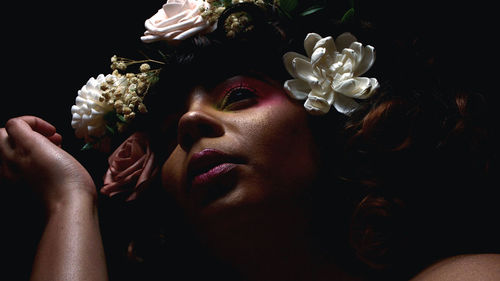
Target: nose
(197, 124)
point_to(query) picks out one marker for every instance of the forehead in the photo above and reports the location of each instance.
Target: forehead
(178, 94)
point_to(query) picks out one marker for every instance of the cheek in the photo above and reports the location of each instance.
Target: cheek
(172, 172)
(282, 143)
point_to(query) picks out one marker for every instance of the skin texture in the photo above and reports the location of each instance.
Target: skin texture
(276, 162)
(257, 221)
(263, 133)
(70, 247)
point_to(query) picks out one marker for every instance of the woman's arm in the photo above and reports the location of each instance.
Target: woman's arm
(71, 246)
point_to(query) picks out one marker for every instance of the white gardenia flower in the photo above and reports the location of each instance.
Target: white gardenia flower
(90, 108)
(329, 75)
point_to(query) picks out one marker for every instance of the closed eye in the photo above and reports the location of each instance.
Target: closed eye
(238, 98)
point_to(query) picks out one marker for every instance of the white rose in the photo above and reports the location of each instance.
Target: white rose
(89, 110)
(329, 75)
(177, 20)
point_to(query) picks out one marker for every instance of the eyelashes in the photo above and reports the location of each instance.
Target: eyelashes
(238, 97)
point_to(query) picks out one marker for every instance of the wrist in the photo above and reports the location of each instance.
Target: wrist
(77, 199)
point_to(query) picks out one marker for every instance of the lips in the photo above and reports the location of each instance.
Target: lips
(210, 167)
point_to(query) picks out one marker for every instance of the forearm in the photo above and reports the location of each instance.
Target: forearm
(71, 246)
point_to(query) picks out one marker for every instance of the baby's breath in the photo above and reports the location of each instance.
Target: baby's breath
(125, 91)
(237, 23)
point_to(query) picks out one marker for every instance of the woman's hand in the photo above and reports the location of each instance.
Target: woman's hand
(30, 150)
(70, 247)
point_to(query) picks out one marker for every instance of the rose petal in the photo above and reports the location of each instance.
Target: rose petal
(150, 38)
(114, 186)
(171, 8)
(121, 169)
(190, 32)
(297, 89)
(156, 25)
(147, 170)
(176, 26)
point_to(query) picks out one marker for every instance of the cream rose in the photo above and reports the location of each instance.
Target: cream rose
(131, 167)
(177, 20)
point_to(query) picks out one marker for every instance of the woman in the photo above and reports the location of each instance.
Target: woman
(262, 180)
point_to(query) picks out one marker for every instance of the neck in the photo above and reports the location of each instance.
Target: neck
(272, 247)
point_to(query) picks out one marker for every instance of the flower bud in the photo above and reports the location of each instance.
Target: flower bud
(121, 66)
(142, 108)
(127, 110)
(145, 67)
(118, 104)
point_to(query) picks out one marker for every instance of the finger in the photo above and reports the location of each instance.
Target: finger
(56, 139)
(26, 128)
(36, 124)
(6, 151)
(39, 125)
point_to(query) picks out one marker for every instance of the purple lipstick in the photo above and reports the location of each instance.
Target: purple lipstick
(210, 167)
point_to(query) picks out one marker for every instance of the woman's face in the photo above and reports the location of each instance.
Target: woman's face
(241, 145)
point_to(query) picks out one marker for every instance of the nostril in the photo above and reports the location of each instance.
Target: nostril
(208, 130)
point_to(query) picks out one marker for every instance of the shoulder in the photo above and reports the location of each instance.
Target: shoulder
(480, 267)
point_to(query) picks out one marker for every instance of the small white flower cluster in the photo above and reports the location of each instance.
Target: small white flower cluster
(235, 23)
(126, 92)
(256, 2)
(211, 13)
(120, 95)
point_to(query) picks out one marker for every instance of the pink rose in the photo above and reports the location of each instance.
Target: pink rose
(131, 167)
(177, 20)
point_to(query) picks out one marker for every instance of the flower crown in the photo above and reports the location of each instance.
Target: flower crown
(327, 75)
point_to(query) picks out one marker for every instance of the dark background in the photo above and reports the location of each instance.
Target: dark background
(51, 50)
